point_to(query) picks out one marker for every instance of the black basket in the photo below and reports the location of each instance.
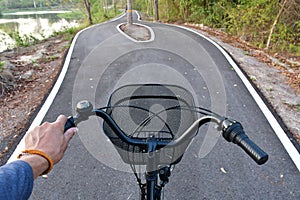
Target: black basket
(148, 110)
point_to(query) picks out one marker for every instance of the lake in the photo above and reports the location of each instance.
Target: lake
(38, 24)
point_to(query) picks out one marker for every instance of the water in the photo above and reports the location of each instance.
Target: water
(38, 25)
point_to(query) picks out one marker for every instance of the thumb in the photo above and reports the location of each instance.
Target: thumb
(70, 133)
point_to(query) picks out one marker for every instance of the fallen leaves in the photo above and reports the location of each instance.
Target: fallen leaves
(19, 104)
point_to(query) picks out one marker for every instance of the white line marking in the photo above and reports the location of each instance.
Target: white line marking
(152, 35)
(139, 19)
(290, 148)
(139, 16)
(44, 109)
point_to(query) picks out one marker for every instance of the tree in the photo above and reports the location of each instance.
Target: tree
(156, 16)
(88, 9)
(129, 12)
(115, 7)
(274, 24)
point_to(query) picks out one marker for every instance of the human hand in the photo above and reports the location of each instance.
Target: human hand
(50, 138)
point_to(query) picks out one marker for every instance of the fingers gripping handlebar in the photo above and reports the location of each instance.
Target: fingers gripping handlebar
(70, 123)
(232, 131)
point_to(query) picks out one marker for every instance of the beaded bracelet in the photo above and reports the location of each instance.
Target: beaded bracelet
(40, 153)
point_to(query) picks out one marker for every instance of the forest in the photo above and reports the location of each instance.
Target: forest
(270, 24)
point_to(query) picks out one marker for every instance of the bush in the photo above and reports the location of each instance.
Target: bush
(248, 19)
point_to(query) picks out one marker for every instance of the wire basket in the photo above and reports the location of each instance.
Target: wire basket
(148, 110)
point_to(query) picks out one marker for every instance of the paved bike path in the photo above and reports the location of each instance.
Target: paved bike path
(104, 59)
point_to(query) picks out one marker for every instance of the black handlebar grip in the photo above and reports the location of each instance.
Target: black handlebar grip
(254, 151)
(70, 123)
(236, 134)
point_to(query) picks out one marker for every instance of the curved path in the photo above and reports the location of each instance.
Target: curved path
(104, 59)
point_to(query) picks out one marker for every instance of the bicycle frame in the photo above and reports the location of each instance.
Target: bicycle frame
(151, 174)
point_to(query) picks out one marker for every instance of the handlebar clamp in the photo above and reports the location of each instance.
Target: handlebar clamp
(227, 130)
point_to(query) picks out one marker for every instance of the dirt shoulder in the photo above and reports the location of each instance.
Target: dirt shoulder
(26, 77)
(276, 77)
(29, 73)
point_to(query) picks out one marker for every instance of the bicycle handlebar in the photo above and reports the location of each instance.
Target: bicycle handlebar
(232, 131)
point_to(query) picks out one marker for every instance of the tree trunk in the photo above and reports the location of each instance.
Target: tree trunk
(88, 9)
(156, 17)
(115, 7)
(274, 24)
(205, 4)
(129, 12)
(105, 7)
(167, 9)
(150, 11)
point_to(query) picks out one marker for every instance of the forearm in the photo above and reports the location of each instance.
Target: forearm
(37, 163)
(45, 146)
(16, 180)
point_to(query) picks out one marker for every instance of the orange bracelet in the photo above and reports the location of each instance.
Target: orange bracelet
(40, 153)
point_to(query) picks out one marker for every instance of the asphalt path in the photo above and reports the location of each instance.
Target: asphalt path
(104, 59)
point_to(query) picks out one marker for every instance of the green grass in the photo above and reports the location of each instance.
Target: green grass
(25, 40)
(269, 89)
(75, 14)
(2, 64)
